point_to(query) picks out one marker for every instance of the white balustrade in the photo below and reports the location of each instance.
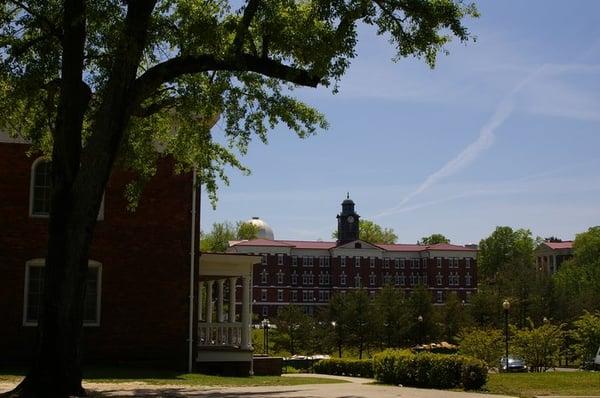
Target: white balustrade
(226, 334)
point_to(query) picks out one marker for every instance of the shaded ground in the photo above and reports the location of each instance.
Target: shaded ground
(572, 383)
(353, 388)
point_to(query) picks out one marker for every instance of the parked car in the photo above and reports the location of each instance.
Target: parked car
(592, 363)
(515, 364)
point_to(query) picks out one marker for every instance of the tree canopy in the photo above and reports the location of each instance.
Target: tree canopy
(217, 240)
(95, 83)
(433, 239)
(373, 233)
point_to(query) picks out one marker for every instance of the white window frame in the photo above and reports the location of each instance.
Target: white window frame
(439, 296)
(343, 278)
(279, 294)
(468, 279)
(264, 275)
(280, 275)
(40, 262)
(439, 278)
(467, 262)
(31, 191)
(294, 261)
(294, 278)
(294, 296)
(265, 310)
(357, 281)
(342, 261)
(386, 262)
(280, 258)
(372, 262)
(357, 261)
(263, 258)
(372, 279)
(439, 262)
(263, 295)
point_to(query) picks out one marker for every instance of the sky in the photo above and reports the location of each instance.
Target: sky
(504, 131)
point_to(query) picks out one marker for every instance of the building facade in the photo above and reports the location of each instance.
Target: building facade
(308, 273)
(550, 255)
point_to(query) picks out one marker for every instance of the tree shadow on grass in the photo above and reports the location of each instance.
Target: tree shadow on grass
(188, 393)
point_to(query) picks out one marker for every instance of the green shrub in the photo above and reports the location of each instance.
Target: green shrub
(345, 367)
(429, 370)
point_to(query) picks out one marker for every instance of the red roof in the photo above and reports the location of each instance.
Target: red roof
(449, 247)
(567, 244)
(319, 245)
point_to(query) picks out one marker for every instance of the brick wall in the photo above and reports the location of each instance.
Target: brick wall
(145, 266)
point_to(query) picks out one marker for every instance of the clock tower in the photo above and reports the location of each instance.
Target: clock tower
(348, 222)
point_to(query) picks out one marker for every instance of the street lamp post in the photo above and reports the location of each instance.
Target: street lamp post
(506, 306)
(265, 325)
(338, 340)
(420, 319)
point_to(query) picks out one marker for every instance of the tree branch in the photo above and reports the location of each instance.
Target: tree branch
(50, 27)
(169, 70)
(242, 29)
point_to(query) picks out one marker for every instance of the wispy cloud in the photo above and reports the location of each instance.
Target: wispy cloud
(502, 112)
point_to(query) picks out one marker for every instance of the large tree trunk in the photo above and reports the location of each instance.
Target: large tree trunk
(79, 177)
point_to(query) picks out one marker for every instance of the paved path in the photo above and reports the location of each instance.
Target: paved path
(356, 388)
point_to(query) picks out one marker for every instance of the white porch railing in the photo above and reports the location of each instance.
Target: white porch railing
(226, 334)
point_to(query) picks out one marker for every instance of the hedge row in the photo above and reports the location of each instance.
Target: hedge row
(429, 370)
(345, 367)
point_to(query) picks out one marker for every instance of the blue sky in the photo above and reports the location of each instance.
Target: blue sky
(504, 131)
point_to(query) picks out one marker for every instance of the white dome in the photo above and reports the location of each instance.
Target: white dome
(264, 230)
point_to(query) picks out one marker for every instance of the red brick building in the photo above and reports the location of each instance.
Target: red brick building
(137, 301)
(308, 273)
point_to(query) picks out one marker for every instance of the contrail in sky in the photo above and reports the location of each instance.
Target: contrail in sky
(485, 139)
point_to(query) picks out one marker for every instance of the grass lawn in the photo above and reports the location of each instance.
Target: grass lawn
(549, 383)
(120, 375)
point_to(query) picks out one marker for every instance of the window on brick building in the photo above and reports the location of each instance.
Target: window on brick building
(307, 261)
(263, 295)
(294, 261)
(357, 261)
(424, 279)
(425, 262)
(280, 259)
(265, 310)
(387, 279)
(324, 261)
(439, 279)
(439, 296)
(279, 294)
(324, 295)
(294, 278)
(386, 262)
(372, 279)
(264, 275)
(468, 279)
(342, 261)
(438, 262)
(40, 190)
(343, 279)
(308, 296)
(357, 281)
(280, 277)
(263, 260)
(294, 295)
(34, 286)
(372, 262)
(467, 262)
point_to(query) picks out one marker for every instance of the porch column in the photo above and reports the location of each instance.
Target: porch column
(209, 301)
(200, 300)
(246, 313)
(220, 300)
(232, 283)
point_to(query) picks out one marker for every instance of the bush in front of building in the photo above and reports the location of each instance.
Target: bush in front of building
(345, 367)
(429, 370)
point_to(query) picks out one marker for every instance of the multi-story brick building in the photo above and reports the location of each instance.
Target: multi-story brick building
(308, 273)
